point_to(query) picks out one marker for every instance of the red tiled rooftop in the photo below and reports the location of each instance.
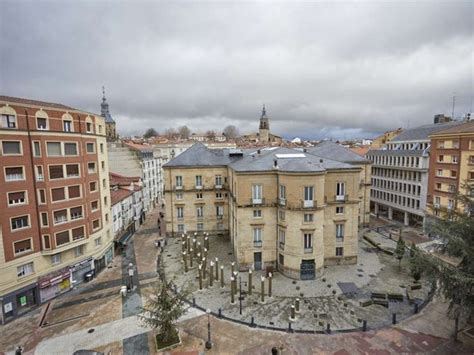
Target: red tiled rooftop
(362, 151)
(117, 179)
(119, 194)
(138, 146)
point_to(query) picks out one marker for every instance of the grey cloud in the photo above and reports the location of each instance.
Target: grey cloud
(336, 69)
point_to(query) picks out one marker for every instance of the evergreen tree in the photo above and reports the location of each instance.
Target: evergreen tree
(162, 310)
(150, 132)
(400, 250)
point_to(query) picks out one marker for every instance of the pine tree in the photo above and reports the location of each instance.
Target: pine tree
(400, 250)
(162, 311)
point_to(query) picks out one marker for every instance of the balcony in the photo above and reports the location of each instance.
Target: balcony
(257, 243)
(308, 250)
(220, 216)
(14, 177)
(198, 187)
(257, 201)
(282, 201)
(308, 204)
(282, 246)
(218, 186)
(339, 239)
(178, 187)
(436, 205)
(341, 198)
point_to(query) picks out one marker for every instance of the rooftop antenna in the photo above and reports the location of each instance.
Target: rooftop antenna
(454, 103)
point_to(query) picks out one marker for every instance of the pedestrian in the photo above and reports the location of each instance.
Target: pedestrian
(159, 244)
(19, 350)
(274, 351)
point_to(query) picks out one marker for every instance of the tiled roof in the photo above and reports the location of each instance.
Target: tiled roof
(137, 146)
(118, 195)
(20, 101)
(117, 179)
(362, 151)
(467, 127)
(423, 132)
(335, 151)
(396, 152)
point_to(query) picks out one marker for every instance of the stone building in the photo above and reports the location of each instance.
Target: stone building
(383, 139)
(400, 174)
(451, 170)
(55, 201)
(280, 208)
(110, 127)
(263, 136)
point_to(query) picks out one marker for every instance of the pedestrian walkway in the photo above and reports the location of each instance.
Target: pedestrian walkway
(100, 336)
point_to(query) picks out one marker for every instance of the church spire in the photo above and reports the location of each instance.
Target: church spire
(104, 108)
(264, 112)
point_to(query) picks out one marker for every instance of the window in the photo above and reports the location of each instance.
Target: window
(257, 193)
(11, 148)
(439, 172)
(79, 250)
(70, 149)
(88, 127)
(340, 210)
(200, 211)
(308, 217)
(339, 251)
(20, 222)
(14, 173)
(91, 168)
(200, 226)
(25, 270)
(257, 213)
(102, 148)
(39, 173)
(281, 259)
(78, 233)
(179, 196)
(44, 219)
(16, 198)
(98, 241)
(53, 149)
(60, 216)
(340, 231)
(180, 212)
(180, 227)
(104, 183)
(340, 191)
(440, 158)
(218, 181)
(56, 172)
(46, 242)
(281, 237)
(56, 259)
(23, 246)
(219, 211)
(102, 165)
(198, 181)
(257, 236)
(58, 194)
(105, 200)
(76, 213)
(96, 224)
(8, 121)
(62, 238)
(93, 186)
(36, 149)
(41, 123)
(308, 241)
(282, 192)
(308, 193)
(72, 170)
(439, 186)
(100, 128)
(454, 173)
(42, 196)
(179, 181)
(90, 147)
(67, 126)
(219, 195)
(94, 205)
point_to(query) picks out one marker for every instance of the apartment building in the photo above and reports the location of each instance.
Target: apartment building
(126, 194)
(400, 174)
(280, 208)
(138, 160)
(451, 170)
(55, 221)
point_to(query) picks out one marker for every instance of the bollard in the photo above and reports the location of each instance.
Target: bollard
(183, 247)
(232, 268)
(188, 244)
(262, 296)
(185, 262)
(205, 252)
(270, 276)
(194, 246)
(297, 305)
(232, 300)
(211, 273)
(200, 276)
(204, 268)
(190, 258)
(394, 318)
(289, 327)
(328, 328)
(217, 269)
(206, 242)
(220, 313)
(252, 322)
(194, 302)
(199, 248)
(292, 312)
(222, 276)
(416, 308)
(364, 325)
(250, 281)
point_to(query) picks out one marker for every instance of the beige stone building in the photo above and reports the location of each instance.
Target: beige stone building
(281, 209)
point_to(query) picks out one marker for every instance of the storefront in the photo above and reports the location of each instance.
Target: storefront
(54, 284)
(79, 270)
(104, 260)
(18, 302)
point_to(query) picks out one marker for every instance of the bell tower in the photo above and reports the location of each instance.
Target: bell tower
(264, 128)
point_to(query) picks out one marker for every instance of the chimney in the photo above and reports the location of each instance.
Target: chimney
(258, 151)
(275, 164)
(320, 160)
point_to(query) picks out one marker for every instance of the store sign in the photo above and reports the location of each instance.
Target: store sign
(81, 265)
(23, 301)
(8, 307)
(55, 278)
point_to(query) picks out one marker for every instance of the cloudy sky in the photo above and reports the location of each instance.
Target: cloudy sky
(341, 70)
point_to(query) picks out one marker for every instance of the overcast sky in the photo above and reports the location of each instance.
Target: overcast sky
(341, 70)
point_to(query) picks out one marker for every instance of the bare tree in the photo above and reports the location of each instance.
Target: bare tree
(184, 132)
(231, 132)
(211, 135)
(171, 133)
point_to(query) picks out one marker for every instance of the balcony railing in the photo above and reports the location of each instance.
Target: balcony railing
(341, 198)
(257, 201)
(14, 177)
(218, 186)
(308, 250)
(308, 203)
(282, 201)
(78, 216)
(282, 246)
(178, 187)
(198, 187)
(219, 216)
(58, 220)
(339, 239)
(257, 243)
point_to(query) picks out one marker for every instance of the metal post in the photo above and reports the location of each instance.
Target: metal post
(270, 276)
(185, 262)
(206, 242)
(292, 312)
(232, 268)
(188, 244)
(394, 318)
(416, 308)
(208, 342)
(205, 252)
(211, 273)
(364, 325)
(222, 276)
(200, 276)
(262, 295)
(204, 267)
(250, 281)
(328, 328)
(232, 301)
(194, 246)
(240, 295)
(220, 312)
(217, 269)
(297, 305)
(190, 258)
(183, 247)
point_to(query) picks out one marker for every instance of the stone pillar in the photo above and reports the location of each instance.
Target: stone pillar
(376, 208)
(406, 219)
(250, 281)
(390, 213)
(222, 276)
(270, 276)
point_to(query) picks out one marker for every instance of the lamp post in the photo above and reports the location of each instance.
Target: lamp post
(185, 262)
(200, 276)
(222, 276)
(262, 298)
(211, 273)
(232, 301)
(240, 295)
(217, 269)
(270, 284)
(250, 281)
(130, 274)
(208, 342)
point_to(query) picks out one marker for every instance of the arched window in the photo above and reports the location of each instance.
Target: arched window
(42, 120)
(68, 125)
(9, 118)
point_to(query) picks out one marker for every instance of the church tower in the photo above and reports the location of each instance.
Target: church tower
(264, 129)
(110, 129)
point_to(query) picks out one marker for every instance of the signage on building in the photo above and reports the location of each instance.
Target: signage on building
(8, 307)
(81, 265)
(23, 301)
(54, 278)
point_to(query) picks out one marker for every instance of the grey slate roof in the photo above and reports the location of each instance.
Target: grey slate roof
(335, 151)
(395, 153)
(423, 132)
(251, 160)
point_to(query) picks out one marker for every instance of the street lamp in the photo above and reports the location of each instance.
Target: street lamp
(208, 342)
(130, 274)
(240, 295)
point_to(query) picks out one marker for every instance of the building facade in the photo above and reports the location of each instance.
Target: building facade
(280, 208)
(451, 170)
(55, 223)
(400, 174)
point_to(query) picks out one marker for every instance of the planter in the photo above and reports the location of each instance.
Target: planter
(395, 296)
(172, 343)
